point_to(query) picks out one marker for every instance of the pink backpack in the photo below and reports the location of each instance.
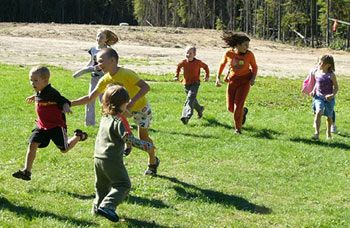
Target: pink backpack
(309, 83)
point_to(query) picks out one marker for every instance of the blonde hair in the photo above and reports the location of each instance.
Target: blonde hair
(113, 98)
(41, 71)
(111, 37)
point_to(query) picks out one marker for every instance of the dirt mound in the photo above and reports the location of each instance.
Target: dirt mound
(149, 49)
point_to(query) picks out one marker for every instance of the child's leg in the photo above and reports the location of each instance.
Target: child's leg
(102, 184)
(143, 135)
(317, 122)
(30, 156)
(333, 117)
(241, 96)
(329, 126)
(119, 184)
(90, 107)
(60, 138)
(191, 101)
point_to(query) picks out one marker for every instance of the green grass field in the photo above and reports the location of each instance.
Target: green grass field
(271, 175)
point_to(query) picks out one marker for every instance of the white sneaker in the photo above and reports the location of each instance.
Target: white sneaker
(333, 128)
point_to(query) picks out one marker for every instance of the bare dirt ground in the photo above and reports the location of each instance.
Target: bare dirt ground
(149, 49)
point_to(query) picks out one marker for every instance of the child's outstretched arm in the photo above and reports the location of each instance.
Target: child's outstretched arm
(206, 69)
(129, 139)
(84, 70)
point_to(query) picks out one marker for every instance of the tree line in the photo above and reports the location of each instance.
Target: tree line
(297, 21)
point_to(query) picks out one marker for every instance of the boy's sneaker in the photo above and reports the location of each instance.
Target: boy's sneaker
(200, 112)
(22, 174)
(333, 128)
(245, 112)
(108, 213)
(184, 120)
(152, 169)
(82, 134)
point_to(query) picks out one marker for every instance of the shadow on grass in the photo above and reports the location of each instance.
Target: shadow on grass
(262, 133)
(185, 134)
(216, 197)
(139, 223)
(321, 143)
(212, 122)
(31, 213)
(146, 202)
(130, 199)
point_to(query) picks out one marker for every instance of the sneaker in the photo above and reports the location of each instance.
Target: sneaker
(152, 169)
(83, 135)
(200, 112)
(184, 120)
(22, 174)
(108, 213)
(245, 112)
(333, 128)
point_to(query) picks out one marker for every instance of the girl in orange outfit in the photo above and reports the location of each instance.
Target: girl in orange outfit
(242, 73)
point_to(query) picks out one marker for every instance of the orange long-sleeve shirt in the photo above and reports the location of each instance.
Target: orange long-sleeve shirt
(240, 64)
(191, 70)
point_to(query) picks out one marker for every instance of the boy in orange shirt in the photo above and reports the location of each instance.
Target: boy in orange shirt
(191, 70)
(243, 70)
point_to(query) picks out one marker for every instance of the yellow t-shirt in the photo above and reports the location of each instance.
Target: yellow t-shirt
(128, 79)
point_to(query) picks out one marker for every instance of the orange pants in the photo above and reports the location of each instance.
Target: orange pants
(236, 94)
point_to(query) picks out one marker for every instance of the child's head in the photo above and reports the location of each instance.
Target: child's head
(106, 37)
(39, 77)
(190, 52)
(107, 59)
(114, 100)
(237, 40)
(327, 63)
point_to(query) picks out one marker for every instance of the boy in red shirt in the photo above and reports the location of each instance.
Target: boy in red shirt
(50, 107)
(191, 70)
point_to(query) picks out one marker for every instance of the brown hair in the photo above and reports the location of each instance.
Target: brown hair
(111, 37)
(328, 59)
(42, 71)
(234, 38)
(113, 98)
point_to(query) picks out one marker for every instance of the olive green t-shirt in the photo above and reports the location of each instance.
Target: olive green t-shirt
(109, 143)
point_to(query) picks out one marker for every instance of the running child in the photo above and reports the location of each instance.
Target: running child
(112, 182)
(51, 121)
(191, 81)
(104, 38)
(242, 74)
(325, 89)
(138, 106)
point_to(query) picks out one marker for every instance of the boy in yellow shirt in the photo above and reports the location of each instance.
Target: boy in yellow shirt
(138, 107)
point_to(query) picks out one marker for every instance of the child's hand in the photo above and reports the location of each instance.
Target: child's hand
(30, 99)
(175, 79)
(66, 108)
(217, 82)
(329, 97)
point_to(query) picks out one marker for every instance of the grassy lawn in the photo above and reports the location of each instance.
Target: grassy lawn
(271, 175)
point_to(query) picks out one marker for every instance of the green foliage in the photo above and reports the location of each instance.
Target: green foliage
(219, 25)
(271, 175)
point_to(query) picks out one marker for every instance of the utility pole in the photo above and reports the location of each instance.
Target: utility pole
(327, 32)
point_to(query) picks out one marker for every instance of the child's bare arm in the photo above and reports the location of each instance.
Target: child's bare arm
(335, 88)
(30, 99)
